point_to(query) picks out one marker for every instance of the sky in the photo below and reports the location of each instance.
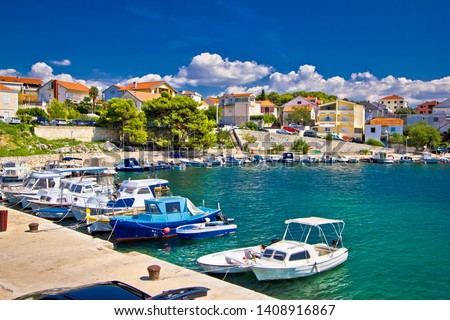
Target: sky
(359, 50)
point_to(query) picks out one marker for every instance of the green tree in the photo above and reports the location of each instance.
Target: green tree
(274, 97)
(262, 96)
(396, 138)
(248, 139)
(300, 115)
(93, 93)
(34, 112)
(123, 114)
(211, 113)
(421, 134)
(285, 97)
(300, 145)
(178, 121)
(405, 111)
(57, 109)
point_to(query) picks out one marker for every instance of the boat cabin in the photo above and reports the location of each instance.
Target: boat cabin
(171, 205)
(42, 180)
(145, 187)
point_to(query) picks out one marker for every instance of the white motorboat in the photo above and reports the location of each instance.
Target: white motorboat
(31, 186)
(310, 254)
(231, 261)
(131, 195)
(14, 171)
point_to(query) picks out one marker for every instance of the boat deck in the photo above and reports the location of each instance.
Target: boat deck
(57, 256)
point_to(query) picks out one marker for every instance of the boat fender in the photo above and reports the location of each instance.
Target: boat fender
(391, 156)
(166, 230)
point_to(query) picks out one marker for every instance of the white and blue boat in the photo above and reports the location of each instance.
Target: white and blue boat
(14, 171)
(130, 196)
(160, 219)
(205, 230)
(129, 164)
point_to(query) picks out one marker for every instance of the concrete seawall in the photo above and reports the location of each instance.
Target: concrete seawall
(57, 256)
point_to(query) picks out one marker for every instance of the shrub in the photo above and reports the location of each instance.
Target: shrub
(374, 142)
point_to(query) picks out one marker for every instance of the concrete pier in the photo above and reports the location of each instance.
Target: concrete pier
(56, 256)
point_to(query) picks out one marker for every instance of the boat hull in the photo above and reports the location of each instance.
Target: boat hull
(132, 228)
(271, 272)
(229, 261)
(204, 231)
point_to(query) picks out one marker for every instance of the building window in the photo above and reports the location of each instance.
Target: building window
(372, 130)
(327, 129)
(358, 130)
(6, 99)
(436, 119)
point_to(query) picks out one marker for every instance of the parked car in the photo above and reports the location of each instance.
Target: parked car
(58, 122)
(283, 131)
(43, 121)
(113, 290)
(356, 140)
(291, 129)
(310, 133)
(336, 137)
(13, 120)
(2, 119)
(77, 122)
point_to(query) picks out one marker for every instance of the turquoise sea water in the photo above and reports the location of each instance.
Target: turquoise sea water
(397, 224)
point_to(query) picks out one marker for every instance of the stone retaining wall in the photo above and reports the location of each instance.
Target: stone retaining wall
(88, 134)
(265, 140)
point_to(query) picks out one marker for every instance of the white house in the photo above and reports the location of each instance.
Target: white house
(139, 97)
(62, 90)
(9, 101)
(380, 128)
(394, 102)
(116, 91)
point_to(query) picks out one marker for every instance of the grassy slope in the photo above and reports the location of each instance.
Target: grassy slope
(19, 140)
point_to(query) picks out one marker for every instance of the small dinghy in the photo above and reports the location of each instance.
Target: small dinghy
(206, 229)
(54, 213)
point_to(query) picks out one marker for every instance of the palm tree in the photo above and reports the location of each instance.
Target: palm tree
(93, 93)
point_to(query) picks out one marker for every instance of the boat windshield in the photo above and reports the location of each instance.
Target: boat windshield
(192, 208)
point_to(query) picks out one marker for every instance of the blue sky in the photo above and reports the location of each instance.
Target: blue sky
(354, 49)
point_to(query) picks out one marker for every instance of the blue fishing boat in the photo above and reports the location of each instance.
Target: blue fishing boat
(129, 164)
(205, 230)
(160, 219)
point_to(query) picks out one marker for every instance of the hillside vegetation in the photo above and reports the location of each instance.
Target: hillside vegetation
(20, 140)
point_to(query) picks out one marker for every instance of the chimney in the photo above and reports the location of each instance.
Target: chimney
(134, 85)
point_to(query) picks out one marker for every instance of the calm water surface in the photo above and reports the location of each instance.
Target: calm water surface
(397, 224)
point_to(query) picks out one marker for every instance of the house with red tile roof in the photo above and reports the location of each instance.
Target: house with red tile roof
(309, 102)
(197, 97)
(62, 90)
(427, 107)
(27, 87)
(9, 101)
(394, 102)
(268, 108)
(381, 128)
(139, 97)
(238, 107)
(116, 91)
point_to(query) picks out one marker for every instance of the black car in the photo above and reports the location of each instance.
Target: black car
(113, 290)
(43, 121)
(356, 140)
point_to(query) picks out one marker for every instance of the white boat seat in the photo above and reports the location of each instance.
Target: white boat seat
(230, 260)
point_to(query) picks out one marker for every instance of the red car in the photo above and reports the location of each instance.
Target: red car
(291, 129)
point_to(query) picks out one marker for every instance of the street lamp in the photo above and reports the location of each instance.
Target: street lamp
(71, 141)
(406, 147)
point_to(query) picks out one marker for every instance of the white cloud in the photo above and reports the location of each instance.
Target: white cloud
(212, 70)
(146, 78)
(8, 72)
(65, 62)
(360, 86)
